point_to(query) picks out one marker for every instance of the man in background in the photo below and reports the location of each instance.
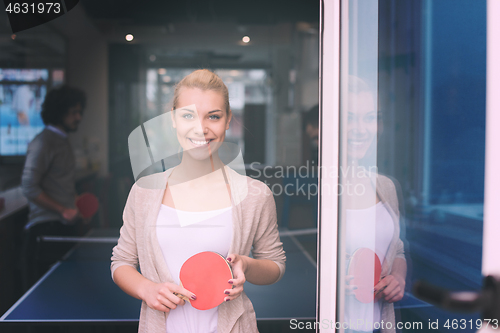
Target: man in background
(48, 179)
(311, 127)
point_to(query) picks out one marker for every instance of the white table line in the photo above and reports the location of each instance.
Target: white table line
(13, 307)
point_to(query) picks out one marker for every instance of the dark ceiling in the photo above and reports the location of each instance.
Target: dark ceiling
(154, 12)
(177, 32)
(172, 29)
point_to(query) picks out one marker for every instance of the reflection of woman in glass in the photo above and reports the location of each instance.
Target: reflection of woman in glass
(371, 216)
(201, 206)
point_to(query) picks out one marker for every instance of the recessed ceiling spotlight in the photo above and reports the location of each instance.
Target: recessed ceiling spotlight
(129, 37)
(246, 39)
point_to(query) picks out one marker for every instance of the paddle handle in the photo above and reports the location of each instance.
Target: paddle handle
(181, 296)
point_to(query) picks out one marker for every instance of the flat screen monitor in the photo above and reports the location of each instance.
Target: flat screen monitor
(22, 92)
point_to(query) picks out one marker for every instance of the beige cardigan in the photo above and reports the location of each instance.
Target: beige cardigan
(254, 228)
(386, 190)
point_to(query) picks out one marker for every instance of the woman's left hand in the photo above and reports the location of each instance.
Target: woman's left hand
(239, 265)
(391, 288)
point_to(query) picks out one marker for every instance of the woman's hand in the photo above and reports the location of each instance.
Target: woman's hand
(160, 296)
(391, 288)
(349, 288)
(239, 266)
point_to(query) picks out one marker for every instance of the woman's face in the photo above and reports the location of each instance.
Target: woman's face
(362, 125)
(200, 129)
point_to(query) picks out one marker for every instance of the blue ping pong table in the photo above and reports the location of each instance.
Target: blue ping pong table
(80, 289)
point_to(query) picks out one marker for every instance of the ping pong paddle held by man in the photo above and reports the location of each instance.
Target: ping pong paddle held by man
(87, 205)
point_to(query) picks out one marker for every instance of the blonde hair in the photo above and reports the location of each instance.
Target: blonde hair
(357, 85)
(205, 80)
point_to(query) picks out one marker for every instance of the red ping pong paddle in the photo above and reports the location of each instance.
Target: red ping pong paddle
(206, 274)
(87, 205)
(365, 267)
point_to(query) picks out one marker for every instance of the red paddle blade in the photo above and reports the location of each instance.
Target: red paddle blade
(206, 274)
(365, 267)
(87, 204)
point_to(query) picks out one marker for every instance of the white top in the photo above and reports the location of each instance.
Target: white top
(182, 234)
(371, 228)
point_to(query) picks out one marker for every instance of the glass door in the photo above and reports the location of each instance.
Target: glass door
(403, 132)
(491, 246)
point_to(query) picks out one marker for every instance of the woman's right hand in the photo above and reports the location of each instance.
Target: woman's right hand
(160, 296)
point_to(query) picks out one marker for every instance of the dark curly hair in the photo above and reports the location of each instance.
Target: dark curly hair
(58, 101)
(311, 117)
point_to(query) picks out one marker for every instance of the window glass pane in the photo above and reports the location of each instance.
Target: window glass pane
(278, 139)
(412, 158)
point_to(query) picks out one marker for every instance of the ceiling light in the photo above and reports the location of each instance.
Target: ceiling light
(129, 37)
(246, 39)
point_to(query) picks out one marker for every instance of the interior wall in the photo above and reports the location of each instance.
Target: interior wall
(87, 68)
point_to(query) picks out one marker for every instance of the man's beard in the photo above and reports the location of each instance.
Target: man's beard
(68, 129)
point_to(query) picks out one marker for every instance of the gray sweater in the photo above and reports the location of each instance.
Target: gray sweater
(49, 167)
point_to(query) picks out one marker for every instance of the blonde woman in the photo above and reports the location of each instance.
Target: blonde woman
(372, 217)
(199, 205)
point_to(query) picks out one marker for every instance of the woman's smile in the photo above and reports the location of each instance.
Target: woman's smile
(200, 142)
(358, 142)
